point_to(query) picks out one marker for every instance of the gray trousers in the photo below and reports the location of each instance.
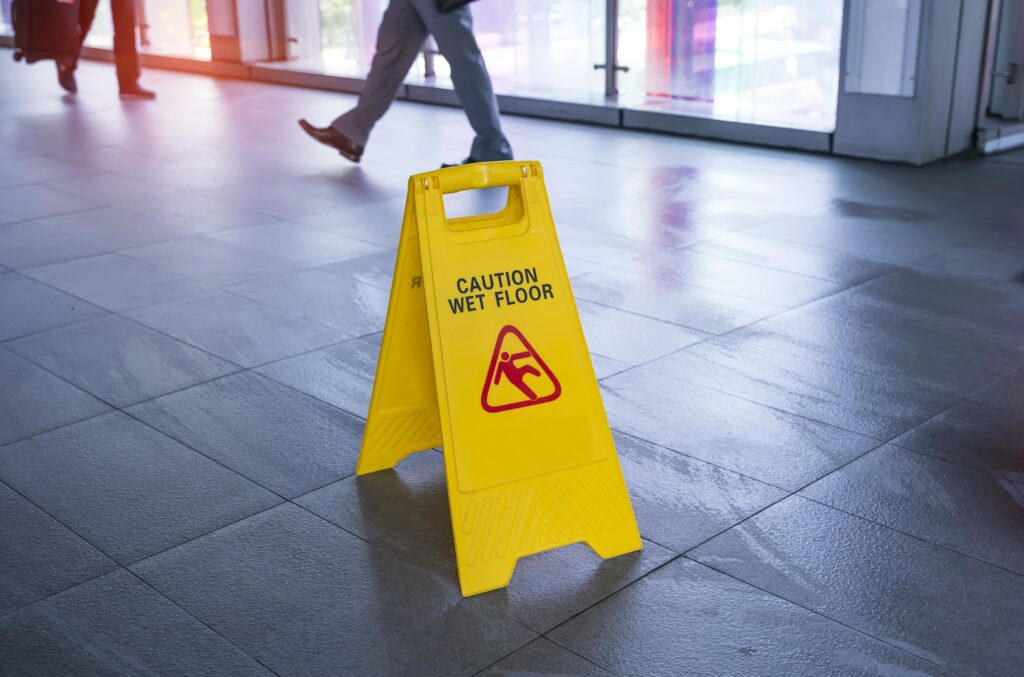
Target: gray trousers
(403, 29)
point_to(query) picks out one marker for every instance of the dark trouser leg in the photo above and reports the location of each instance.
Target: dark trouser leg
(455, 40)
(125, 52)
(86, 13)
(399, 40)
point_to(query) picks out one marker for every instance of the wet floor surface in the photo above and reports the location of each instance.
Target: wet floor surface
(814, 369)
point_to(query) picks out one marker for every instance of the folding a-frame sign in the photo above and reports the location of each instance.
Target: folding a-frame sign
(483, 354)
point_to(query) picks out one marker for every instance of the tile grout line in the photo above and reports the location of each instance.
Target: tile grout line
(119, 567)
(910, 535)
(201, 621)
(685, 554)
(823, 615)
(419, 566)
(482, 671)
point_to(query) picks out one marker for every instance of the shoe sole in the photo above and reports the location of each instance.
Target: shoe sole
(348, 156)
(136, 97)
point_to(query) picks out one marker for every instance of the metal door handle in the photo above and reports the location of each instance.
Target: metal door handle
(1010, 73)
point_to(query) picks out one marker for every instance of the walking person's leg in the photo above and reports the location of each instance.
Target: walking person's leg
(399, 41)
(125, 51)
(86, 13)
(66, 72)
(453, 32)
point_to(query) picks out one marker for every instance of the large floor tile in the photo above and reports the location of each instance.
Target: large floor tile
(302, 245)
(600, 247)
(279, 438)
(880, 582)
(606, 366)
(38, 555)
(405, 511)
(679, 501)
(30, 243)
(342, 374)
(126, 488)
(351, 308)
(117, 282)
(198, 214)
(1007, 393)
(376, 270)
(113, 228)
(236, 329)
(878, 406)
(883, 239)
(973, 435)
(36, 200)
(115, 625)
(379, 223)
(28, 307)
(215, 263)
(966, 510)
(120, 361)
(793, 257)
(321, 601)
(968, 307)
(767, 444)
(871, 336)
(657, 223)
(109, 188)
(698, 308)
(630, 338)
(755, 282)
(34, 401)
(274, 198)
(39, 168)
(687, 619)
(7, 218)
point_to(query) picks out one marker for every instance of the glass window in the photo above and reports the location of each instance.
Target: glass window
(881, 57)
(173, 27)
(349, 33)
(5, 18)
(541, 47)
(772, 62)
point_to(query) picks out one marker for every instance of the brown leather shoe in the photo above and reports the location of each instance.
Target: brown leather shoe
(329, 136)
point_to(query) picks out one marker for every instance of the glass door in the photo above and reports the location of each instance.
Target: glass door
(1006, 100)
(773, 62)
(544, 48)
(172, 27)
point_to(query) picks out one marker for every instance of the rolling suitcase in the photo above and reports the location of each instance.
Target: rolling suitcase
(45, 29)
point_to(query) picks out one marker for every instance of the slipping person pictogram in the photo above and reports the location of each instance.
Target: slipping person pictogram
(512, 365)
(516, 374)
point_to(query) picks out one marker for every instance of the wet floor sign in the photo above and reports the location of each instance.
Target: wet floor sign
(483, 353)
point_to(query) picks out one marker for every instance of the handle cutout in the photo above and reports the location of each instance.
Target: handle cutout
(475, 203)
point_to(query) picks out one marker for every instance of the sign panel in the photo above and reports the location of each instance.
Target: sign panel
(483, 353)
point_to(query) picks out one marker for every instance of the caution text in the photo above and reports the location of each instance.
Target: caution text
(498, 290)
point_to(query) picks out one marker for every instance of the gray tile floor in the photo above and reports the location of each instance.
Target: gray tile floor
(814, 368)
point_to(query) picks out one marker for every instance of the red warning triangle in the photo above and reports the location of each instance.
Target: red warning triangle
(517, 376)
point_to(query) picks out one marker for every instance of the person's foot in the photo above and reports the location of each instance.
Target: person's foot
(66, 78)
(136, 92)
(329, 136)
(467, 161)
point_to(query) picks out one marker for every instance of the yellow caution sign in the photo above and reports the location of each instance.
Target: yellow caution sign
(483, 352)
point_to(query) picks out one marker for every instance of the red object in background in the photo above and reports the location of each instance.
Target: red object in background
(681, 48)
